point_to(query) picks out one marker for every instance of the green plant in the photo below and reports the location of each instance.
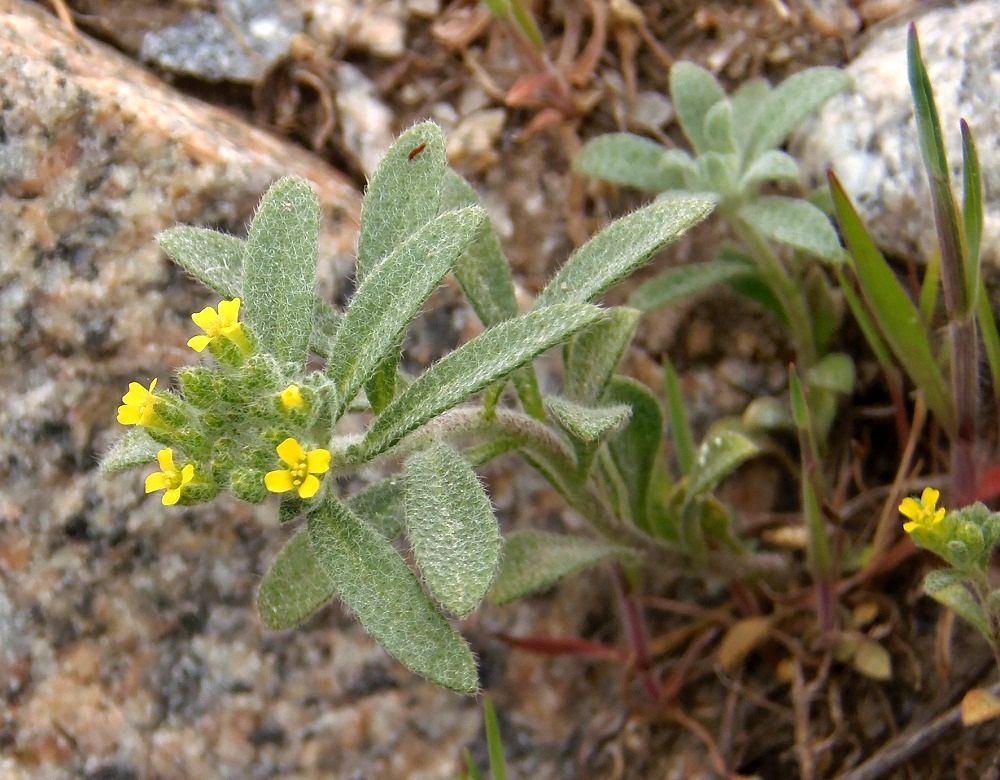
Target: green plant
(896, 326)
(258, 420)
(494, 746)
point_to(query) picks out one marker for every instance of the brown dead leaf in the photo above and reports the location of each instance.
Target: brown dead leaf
(872, 660)
(741, 639)
(979, 706)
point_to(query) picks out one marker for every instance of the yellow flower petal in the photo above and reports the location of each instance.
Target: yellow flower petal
(198, 343)
(229, 311)
(128, 415)
(929, 498)
(291, 452)
(165, 458)
(207, 320)
(317, 461)
(187, 474)
(291, 397)
(156, 481)
(308, 487)
(910, 508)
(171, 497)
(278, 481)
(938, 516)
(908, 527)
(136, 394)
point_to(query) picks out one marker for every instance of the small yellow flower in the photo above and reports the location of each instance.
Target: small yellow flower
(139, 405)
(923, 513)
(169, 479)
(291, 398)
(223, 323)
(302, 466)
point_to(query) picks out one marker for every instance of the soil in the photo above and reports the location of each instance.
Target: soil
(784, 705)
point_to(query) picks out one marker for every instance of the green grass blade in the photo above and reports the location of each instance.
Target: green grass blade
(929, 286)
(893, 311)
(991, 337)
(494, 743)
(680, 427)
(470, 368)
(972, 211)
(622, 247)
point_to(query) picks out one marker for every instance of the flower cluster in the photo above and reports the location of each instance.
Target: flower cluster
(227, 421)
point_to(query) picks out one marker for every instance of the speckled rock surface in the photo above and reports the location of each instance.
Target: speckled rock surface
(869, 135)
(129, 644)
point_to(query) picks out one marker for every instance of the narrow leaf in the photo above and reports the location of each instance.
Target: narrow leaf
(834, 372)
(719, 455)
(585, 424)
(694, 91)
(748, 101)
(797, 223)
(484, 275)
(592, 355)
(451, 528)
(632, 161)
(535, 560)
(636, 447)
(682, 281)
(279, 269)
(377, 585)
(972, 211)
(470, 368)
(391, 296)
(213, 258)
(680, 428)
(790, 102)
(622, 247)
(404, 194)
(892, 309)
(718, 128)
(494, 743)
(134, 448)
(991, 337)
(381, 505)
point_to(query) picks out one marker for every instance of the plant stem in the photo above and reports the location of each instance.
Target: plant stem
(789, 295)
(635, 632)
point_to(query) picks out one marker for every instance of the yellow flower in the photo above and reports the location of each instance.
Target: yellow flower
(223, 323)
(302, 466)
(169, 478)
(291, 398)
(923, 513)
(139, 405)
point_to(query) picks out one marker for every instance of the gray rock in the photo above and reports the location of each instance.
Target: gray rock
(237, 41)
(869, 135)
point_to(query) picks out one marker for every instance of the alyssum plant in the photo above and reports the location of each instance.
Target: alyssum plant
(255, 420)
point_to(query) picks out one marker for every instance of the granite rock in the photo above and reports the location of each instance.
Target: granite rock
(869, 135)
(129, 642)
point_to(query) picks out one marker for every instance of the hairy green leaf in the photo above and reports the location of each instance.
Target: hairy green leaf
(635, 448)
(134, 448)
(790, 102)
(451, 528)
(391, 296)
(797, 223)
(747, 102)
(772, 165)
(718, 128)
(718, 456)
(404, 194)
(834, 372)
(377, 585)
(633, 161)
(947, 587)
(694, 91)
(535, 560)
(622, 247)
(586, 424)
(295, 585)
(592, 355)
(682, 281)
(279, 269)
(215, 259)
(892, 309)
(470, 368)
(718, 172)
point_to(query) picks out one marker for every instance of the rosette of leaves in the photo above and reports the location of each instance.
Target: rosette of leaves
(419, 222)
(735, 153)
